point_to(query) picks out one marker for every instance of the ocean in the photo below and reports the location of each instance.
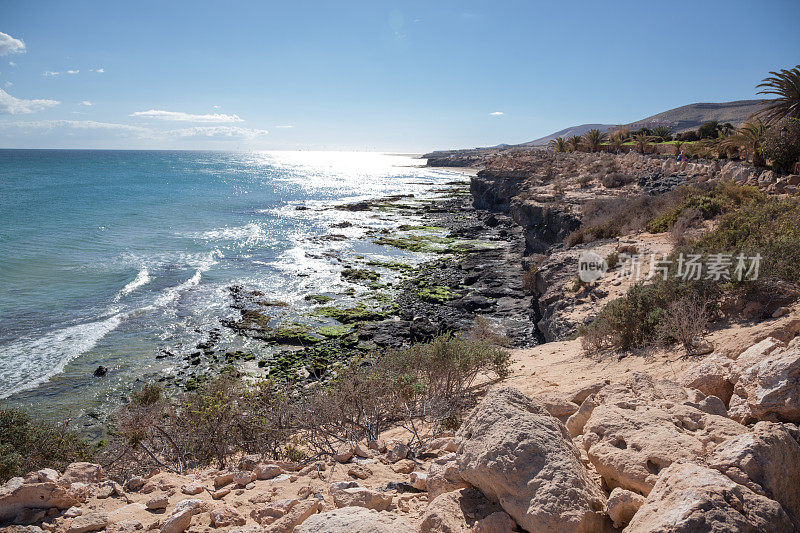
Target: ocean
(108, 257)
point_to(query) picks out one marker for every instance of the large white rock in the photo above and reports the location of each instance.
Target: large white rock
(769, 389)
(711, 376)
(354, 520)
(766, 460)
(16, 495)
(457, 512)
(520, 456)
(690, 498)
(644, 425)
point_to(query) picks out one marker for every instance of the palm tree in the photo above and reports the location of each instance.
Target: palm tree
(786, 85)
(574, 142)
(642, 141)
(617, 139)
(594, 139)
(662, 134)
(748, 138)
(678, 145)
(559, 144)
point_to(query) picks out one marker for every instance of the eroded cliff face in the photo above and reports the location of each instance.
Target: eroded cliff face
(547, 194)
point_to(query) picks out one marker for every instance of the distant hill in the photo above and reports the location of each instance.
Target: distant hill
(688, 117)
(569, 132)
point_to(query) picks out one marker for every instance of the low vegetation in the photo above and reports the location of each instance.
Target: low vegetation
(425, 384)
(27, 445)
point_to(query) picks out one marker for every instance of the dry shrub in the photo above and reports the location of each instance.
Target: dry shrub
(684, 321)
(226, 417)
(687, 220)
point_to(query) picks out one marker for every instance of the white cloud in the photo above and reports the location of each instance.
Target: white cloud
(218, 132)
(46, 126)
(286, 127)
(47, 73)
(87, 103)
(186, 117)
(8, 84)
(216, 106)
(497, 113)
(10, 45)
(73, 71)
(98, 70)
(12, 64)
(18, 106)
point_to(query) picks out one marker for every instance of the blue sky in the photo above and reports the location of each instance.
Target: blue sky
(369, 75)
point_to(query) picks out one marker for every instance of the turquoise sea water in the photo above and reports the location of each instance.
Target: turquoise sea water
(108, 256)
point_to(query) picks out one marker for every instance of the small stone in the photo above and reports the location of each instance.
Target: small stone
(221, 493)
(419, 480)
(345, 451)
(223, 479)
(404, 467)
(134, 484)
(91, 521)
(396, 451)
(270, 471)
(359, 471)
(157, 503)
(72, 512)
(243, 477)
(779, 312)
(225, 516)
(192, 488)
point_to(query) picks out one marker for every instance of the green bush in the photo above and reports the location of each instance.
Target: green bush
(781, 144)
(635, 318)
(769, 227)
(27, 445)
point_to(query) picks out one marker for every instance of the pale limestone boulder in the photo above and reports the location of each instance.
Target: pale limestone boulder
(88, 522)
(770, 388)
(577, 421)
(711, 376)
(81, 473)
(294, 517)
(556, 404)
(642, 389)
(226, 516)
(351, 494)
(499, 522)
(622, 505)
(767, 461)
(180, 518)
(629, 447)
(444, 475)
(579, 394)
(16, 495)
(690, 498)
(520, 456)
(445, 444)
(457, 512)
(243, 477)
(192, 488)
(273, 511)
(267, 471)
(355, 520)
(754, 354)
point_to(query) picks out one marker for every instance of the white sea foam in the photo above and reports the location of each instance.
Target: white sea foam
(29, 362)
(248, 235)
(170, 294)
(142, 278)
